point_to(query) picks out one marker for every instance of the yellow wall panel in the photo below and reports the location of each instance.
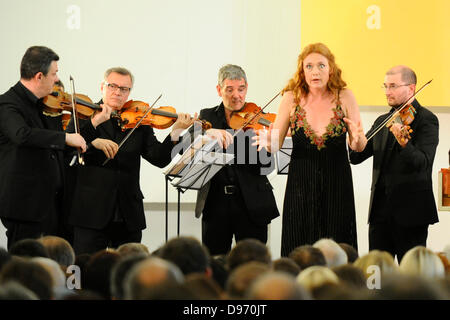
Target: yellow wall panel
(370, 36)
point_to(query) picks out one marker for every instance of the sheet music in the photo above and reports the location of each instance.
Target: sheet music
(283, 156)
(204, 167)
(183, 162)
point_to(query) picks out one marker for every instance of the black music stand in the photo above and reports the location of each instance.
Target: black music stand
(283, 156)
(198, 164)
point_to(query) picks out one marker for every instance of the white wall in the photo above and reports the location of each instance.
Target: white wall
(176, 48)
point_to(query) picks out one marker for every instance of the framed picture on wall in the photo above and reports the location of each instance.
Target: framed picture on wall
(444, 189)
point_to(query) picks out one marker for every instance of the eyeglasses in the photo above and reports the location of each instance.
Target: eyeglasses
(114, 87)
(393, 86)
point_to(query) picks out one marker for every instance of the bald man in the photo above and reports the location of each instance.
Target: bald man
(402, 204)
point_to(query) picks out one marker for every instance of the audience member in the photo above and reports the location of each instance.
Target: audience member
(407, 287)
(29, 274)
(204, 287)
(306, 256)
(333, 253)
(334, 291)
(315, 276)
(120, 271)
(188, 253)
(422, 262)
(28, 248)
(381, 259)
(351, 276)
(58, 276)
(242, 277)
(286, 265)
(12, 290)
(275, 285)
(131, 248)
(248, 250)
(150, 273)
(352, 253)
(219, 269)
(59, 250)
(98, 272)
(81, 261)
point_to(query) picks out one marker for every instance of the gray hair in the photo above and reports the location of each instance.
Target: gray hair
(231, 72)
(149, 273)
(119, 70)
(333, 253)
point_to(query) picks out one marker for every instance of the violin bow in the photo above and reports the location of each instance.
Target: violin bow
(397, 111)
(75, 124)
(134, 128)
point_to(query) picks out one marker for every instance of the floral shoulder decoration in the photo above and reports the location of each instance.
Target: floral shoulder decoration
(335, 128)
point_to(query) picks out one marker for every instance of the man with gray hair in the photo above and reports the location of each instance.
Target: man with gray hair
(238, 201)
(149, 274)
(401, 202)
(334, 255)
(107, 207)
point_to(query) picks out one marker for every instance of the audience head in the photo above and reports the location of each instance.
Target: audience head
(276, 285)
(407, 287)
(98, 272)
(242, 277)
(120, 271)
(30, 274)
(315, 276)
(380, 259)
(188, 253)
(219, 270)
(28, 248)
(132, 248)
(204, 287)
(59, 250)
(333, 253)
(55, 271)
(352, 253)
(351, 275)
(422, 262)
(287, 265)
(306, 256)
(149, 273)
(248, 250)
(12, 290)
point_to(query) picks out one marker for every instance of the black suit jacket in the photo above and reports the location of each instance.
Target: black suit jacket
(255, 187)
(99, 189)
(407, 175)
(31, 155)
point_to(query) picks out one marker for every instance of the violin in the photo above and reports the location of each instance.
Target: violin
(59, 101)
(405, 118)
(159, 118)
(251, 117)
(398, 115)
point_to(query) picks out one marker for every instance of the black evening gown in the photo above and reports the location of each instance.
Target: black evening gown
(319, 201)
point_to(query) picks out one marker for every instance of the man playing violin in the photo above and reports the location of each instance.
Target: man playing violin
(238, 200)
(31, 151)
(401, 203)
(107, 208)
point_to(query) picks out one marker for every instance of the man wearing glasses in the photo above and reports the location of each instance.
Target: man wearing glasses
(107, 204)
(401, 203)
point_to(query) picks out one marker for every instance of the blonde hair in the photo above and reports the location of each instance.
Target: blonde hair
(316, 276)
(298, 84)
(382, 259)
(421, 261)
